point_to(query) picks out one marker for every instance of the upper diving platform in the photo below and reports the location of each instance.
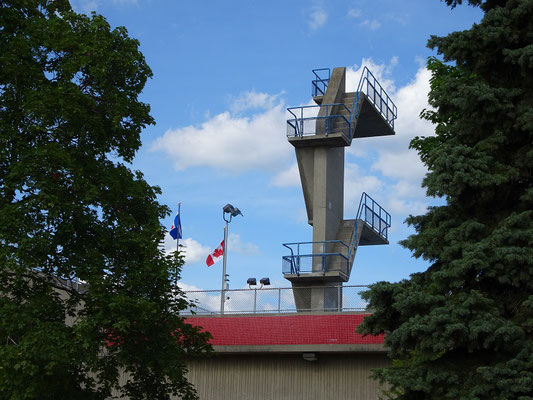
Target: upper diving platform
(338, 117)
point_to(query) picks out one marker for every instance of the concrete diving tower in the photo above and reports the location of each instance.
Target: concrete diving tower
(319, 135)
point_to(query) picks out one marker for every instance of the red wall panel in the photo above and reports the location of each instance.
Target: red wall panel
(284, 329)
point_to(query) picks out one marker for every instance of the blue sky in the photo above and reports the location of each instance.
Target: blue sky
(224, 73)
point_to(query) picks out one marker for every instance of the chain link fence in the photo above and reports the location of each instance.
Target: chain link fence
(274, 300)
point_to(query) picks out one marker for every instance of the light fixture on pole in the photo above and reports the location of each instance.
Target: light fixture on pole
(264, 282)
(228, 212)
(253, 282)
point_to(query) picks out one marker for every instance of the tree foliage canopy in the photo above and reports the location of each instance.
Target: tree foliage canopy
(71, 210)
(463, 329)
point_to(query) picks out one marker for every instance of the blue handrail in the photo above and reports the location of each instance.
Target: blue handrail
(297, 123)
(319, 85)
(368, 84)
(374, 215)
(377, 95)
(368, 211)
(294, 259)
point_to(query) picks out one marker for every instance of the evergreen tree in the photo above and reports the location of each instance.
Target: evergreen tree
(72, 211)
(463, 329)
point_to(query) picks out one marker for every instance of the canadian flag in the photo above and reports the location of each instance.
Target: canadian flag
(216, 255)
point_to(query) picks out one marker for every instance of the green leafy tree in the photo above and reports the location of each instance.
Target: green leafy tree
(463, 329)
(86, 295)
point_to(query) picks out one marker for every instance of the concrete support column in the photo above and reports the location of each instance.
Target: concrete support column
(317, 296)
(328, 193)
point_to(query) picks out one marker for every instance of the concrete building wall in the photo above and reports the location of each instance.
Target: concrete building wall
(287, 376)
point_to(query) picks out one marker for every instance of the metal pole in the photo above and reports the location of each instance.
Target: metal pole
(223, 291)
(339, 306)
(177, 246)
(178, 240)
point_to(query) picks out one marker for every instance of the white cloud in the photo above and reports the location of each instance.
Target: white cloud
(380, 71)
(394, 158)
(87, 6)
(412, 98)
(355, 183)
(192, 249)
(317, 19)
(195, 252)
(371, 24)
(402, 207)
(168, 244)
(391, 157)
(238, 246)
(399, 18)
(232, 143)
(401, 165)
(393, 62)
(287, 177)
(241, 299)
(408, 190)
(206, 301)
(354, 13)
(254, 100)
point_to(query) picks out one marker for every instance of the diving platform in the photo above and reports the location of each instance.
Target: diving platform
(339, 116)
(319, 134)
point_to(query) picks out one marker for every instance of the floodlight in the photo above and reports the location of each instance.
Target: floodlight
(228, 209)
(251, 281)
(265, 281)
(232, 211)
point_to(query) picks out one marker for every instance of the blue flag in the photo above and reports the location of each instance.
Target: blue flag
(175, 229)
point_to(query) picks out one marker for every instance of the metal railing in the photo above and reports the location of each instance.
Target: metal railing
(273, 300)
(376, 95)
(327, 259)
(312, 261)
(305, 117)
(320, 84)
(374, 215)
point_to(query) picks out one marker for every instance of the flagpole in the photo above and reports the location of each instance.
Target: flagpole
(223, 291)
(178, 239)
